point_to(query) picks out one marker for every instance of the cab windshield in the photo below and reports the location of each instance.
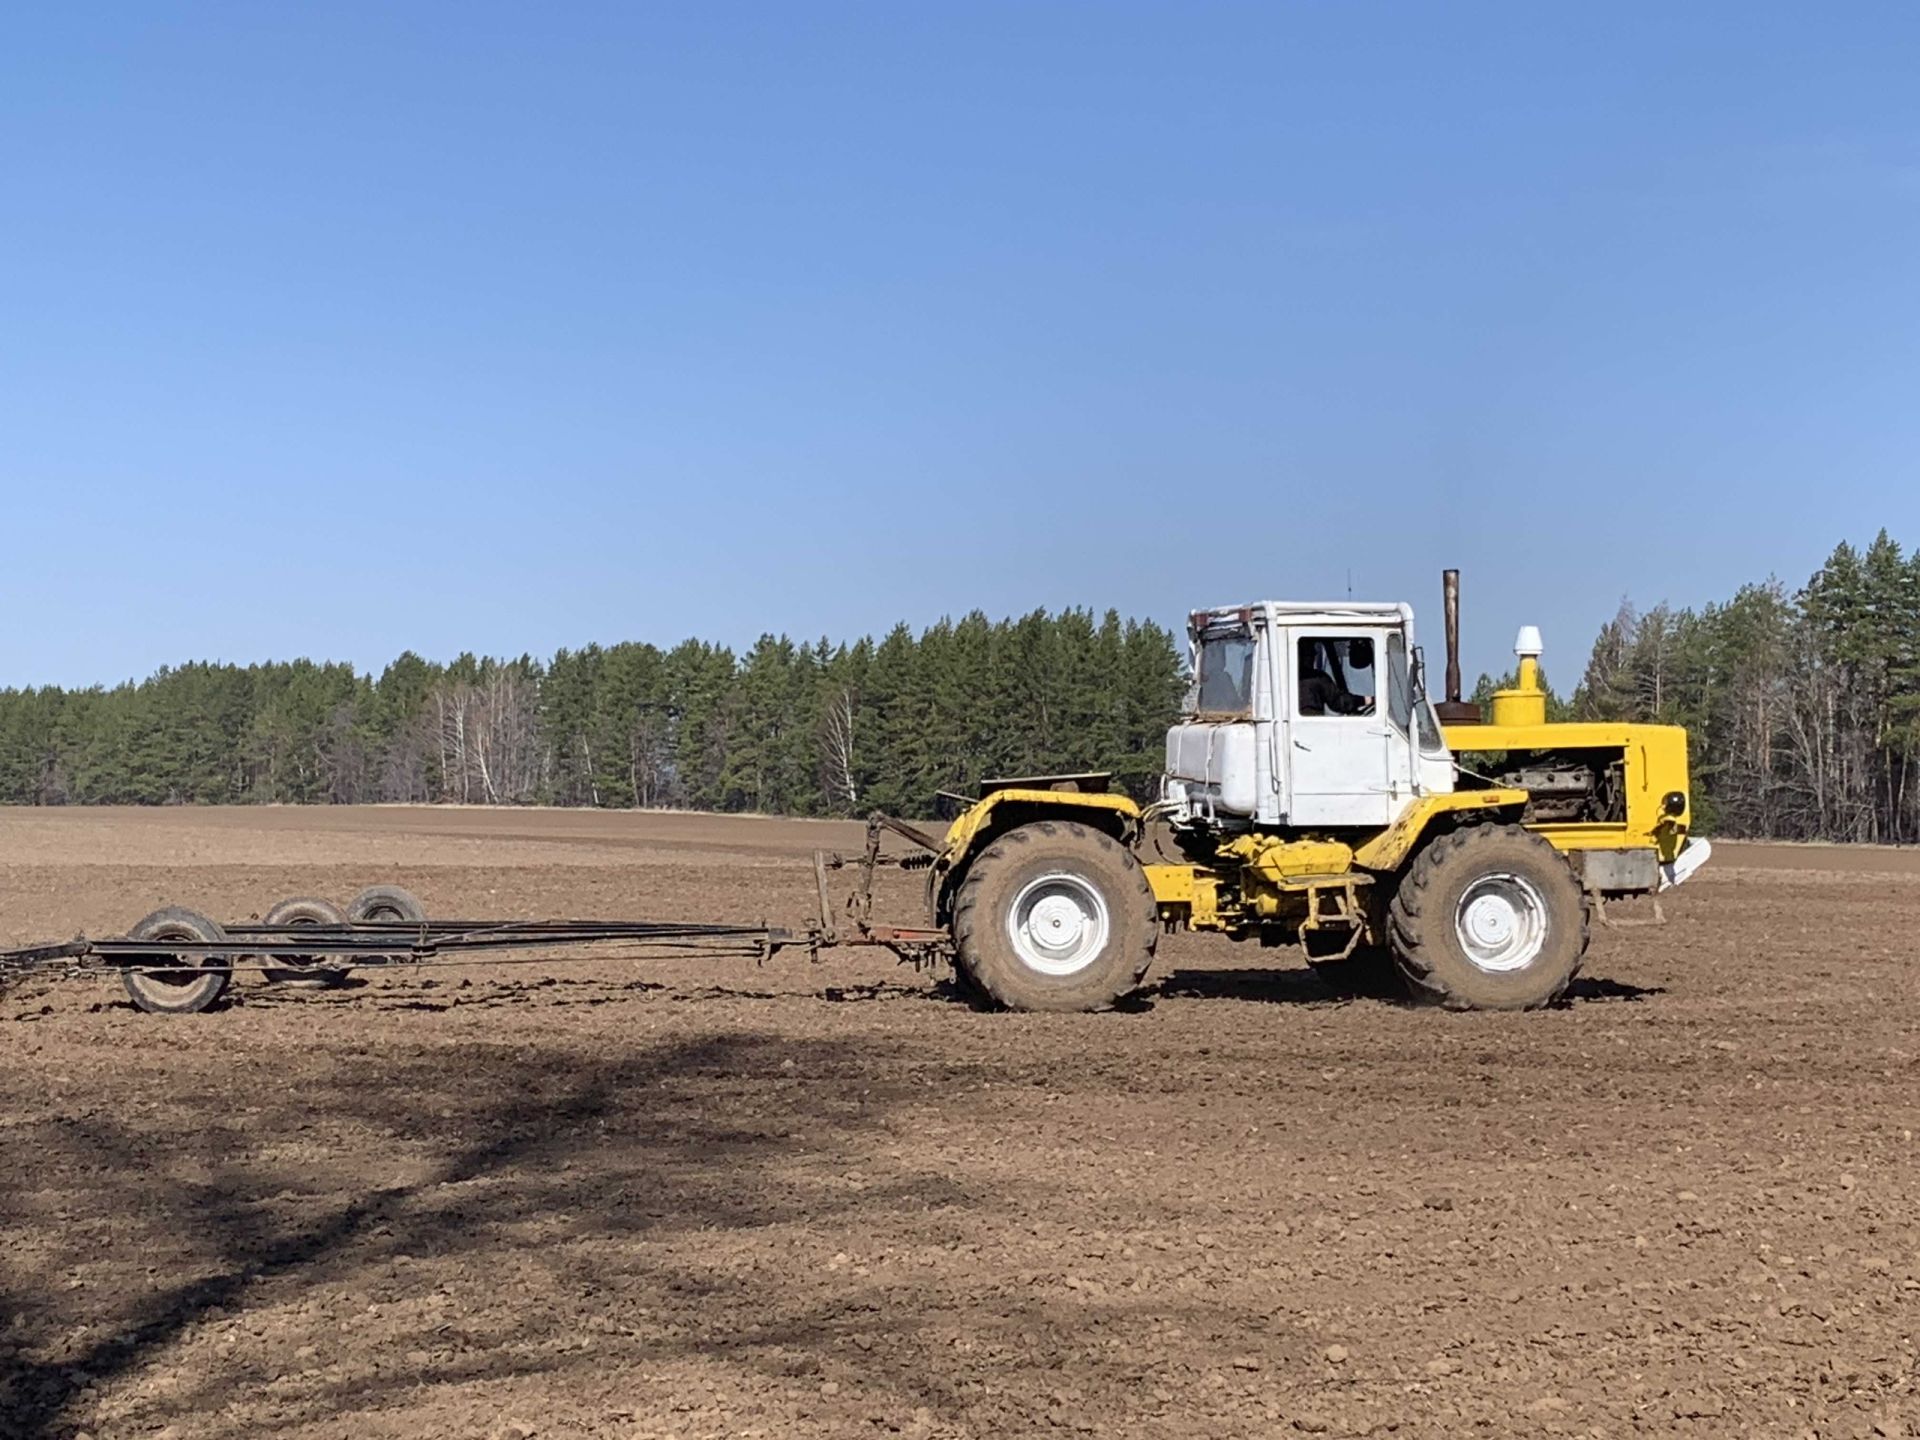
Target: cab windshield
(1223, 675)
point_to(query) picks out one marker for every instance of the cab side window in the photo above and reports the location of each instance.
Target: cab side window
(1336, 675)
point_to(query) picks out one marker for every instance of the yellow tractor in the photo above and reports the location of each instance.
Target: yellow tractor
(1314, 795)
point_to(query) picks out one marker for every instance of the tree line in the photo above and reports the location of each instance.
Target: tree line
(789, 728)
(1802, 706)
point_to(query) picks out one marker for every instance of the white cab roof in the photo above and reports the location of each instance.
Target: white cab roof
(1312, 612)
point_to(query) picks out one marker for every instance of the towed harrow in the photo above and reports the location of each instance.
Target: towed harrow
(179, 961)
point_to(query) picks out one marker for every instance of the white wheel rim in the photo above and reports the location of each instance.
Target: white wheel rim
(1058, 924)
(1501, 923)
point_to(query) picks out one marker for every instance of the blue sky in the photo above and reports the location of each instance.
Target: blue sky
(343, 329)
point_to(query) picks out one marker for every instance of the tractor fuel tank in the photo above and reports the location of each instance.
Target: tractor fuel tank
(1213, 767)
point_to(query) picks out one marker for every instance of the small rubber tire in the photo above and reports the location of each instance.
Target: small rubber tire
(1077, 870)
(307, 970)
(1425, 920)
(388, 903)
(178, 992)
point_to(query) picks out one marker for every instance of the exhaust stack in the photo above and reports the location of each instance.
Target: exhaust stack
(1453, 710)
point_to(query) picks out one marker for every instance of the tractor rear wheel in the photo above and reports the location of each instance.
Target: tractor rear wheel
(201, 980)
(1055, 915)
(1489, 918)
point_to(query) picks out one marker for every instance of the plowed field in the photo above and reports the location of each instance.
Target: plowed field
(710, 1199)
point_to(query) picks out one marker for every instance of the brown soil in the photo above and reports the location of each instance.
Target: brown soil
(705, 1198)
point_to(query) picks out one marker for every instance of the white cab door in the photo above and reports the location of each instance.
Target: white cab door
(1339, 744)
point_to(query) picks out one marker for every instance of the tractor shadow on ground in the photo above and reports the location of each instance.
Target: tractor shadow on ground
(1586, 988)
(1268, 985)
(1276, 986)
(882, 990)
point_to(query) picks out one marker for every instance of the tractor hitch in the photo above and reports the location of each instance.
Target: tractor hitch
(916, 946)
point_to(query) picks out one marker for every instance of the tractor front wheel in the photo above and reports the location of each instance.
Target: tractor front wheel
(1054, 915)
(1489, 918)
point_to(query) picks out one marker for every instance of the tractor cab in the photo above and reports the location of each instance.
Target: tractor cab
(1304, 716)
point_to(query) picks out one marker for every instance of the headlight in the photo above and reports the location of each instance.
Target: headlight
(1675, 803)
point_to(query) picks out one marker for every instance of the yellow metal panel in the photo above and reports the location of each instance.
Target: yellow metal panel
(1513, 708)
(1278, 861)
(1392, 845)
(1171, 884)
(1565, 735)
(973, 819)
(1190, 893)
(1663, 840)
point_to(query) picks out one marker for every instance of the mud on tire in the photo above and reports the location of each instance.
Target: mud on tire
(388, 905)
(309, 970)
(386, 902)
(1489, 917)
(190, 989)
(1055, 915)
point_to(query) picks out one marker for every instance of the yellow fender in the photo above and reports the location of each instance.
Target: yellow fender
(1116, 814)
(1388, 850)
(988, 816)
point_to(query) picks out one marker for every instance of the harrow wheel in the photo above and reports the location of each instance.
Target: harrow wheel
(386, 903)
(1055, 915)
(308, 970)
(190, 988)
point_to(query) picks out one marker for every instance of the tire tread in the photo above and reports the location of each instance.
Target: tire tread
(998, 981)
(1416, 933)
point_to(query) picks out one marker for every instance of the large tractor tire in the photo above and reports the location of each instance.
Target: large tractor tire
(1054, 915)
(305, 970)
(1489, 917)
(185, 991)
